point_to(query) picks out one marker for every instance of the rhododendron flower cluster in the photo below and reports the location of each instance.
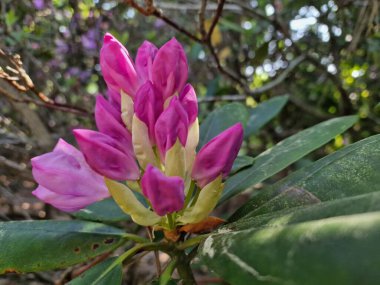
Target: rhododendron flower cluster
(145, 144)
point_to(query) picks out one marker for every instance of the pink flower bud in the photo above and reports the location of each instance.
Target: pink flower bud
(107, 156)
(65, 180)
(117, 66)
(170, 70)
(144, 60)
(217, 156)
(189, 101)
(114, 98)
(108, 121)
(171, 125)
(148, 106)
(166, 194)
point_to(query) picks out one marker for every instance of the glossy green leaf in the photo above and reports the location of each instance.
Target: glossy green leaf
(263, 113)
(352, 205)
(241, 162)
(106, 211)
(351, 171)
(31, 246)
(220, 120)
(290, 198)
(339, 250)
(285, 153)
(114, 277)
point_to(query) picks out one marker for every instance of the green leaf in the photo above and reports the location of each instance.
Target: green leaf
(340, 250)
(220, 120)
(285, 153)
(106, 211)
(10, 18)
(263, 113)
(352, 205)
(228, 25)
(241, 162)
(31, 246)
(261, 53)
(351, 171)
(291, 197)
(114, 277)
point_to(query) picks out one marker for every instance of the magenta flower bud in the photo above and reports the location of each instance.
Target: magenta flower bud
(117, 66)
(65, 179)
(114, 98)
(103, 106)
(166, 194)
(170, 70)
(108, 121)
(171, 125)
(144, 60)
(148, 106)
(189, 101)
(107, 156)
(217, 156)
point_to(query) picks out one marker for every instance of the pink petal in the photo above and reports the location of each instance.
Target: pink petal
(170, 70)
(70, 203)
(189, 101)
(106, 155)
(108, 121)
(117, 66)
(217, 156)
(144, 60)
(148, 106)
(172, 124)
(166, 194)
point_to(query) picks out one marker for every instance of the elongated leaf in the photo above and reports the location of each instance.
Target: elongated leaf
(114, 277)
(340, 250)
(31, 246)
(241, 162)
(220, 120)
(290, 198)
(285, 153)
(351, 171)
(352, 205)
(106, 211)
(263, 113)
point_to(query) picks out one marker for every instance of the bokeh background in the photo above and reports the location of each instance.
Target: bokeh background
(323, 54)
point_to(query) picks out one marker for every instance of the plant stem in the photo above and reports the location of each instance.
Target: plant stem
(170, 221)
(135, 238)
(156, 254)
(184, 268)
(189, 194)
(195, 197)
(191, 242)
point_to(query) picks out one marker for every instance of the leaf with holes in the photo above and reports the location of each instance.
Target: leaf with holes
(32, 246)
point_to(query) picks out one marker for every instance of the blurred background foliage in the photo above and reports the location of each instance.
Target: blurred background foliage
(324, 55)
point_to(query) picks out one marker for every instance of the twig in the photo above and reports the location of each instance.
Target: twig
(218, 14)
(15, 75)
(202, 28)
(159, 14)
(152, 10)
(156, 253)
